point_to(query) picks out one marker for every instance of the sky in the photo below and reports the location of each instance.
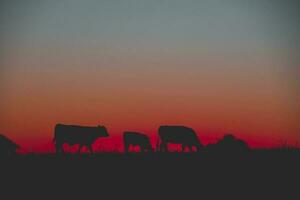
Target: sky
(217, 66)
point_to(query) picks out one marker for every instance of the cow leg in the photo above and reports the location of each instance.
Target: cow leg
(59, 148)
(164, 147)
(198, 148)
(127, 146)
(79, 148)
(161, 147)
(149, 148)
(62, 149)
(91, 149)
(142, 148)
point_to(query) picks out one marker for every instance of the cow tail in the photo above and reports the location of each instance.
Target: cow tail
(158, 145)
(54, 138)
(55, 133)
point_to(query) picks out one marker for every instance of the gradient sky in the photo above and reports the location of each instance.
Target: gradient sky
(217, 66)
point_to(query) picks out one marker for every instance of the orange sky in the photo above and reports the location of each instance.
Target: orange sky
(221, 97)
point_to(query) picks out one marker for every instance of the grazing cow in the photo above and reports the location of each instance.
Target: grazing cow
(7, 146)
(136, 139)
(73, 134)
(178, 135)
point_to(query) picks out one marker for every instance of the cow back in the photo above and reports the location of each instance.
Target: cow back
(74, 134)
(135, 137)
(177, 134)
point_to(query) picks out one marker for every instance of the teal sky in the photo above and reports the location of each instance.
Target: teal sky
(163, 23)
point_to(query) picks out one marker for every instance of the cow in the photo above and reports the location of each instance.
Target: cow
(7, 146)
(178, 135)
(74, 134)
(132, 139)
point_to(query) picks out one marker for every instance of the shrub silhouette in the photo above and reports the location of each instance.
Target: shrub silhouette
(229, 145)
(7, 146)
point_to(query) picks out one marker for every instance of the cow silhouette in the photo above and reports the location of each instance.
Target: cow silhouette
(7, 146)
(177, 135)
(74, 134)
(132, 139)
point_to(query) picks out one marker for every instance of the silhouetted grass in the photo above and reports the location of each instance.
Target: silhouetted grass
(268, 153)
(129, 174)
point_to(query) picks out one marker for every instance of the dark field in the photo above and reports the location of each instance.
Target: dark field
(172, 174)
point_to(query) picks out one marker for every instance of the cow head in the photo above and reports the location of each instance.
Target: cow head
(102, 131)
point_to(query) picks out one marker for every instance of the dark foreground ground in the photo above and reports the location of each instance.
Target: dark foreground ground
(260, 174)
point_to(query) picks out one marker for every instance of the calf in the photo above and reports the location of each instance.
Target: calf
(136, 139)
